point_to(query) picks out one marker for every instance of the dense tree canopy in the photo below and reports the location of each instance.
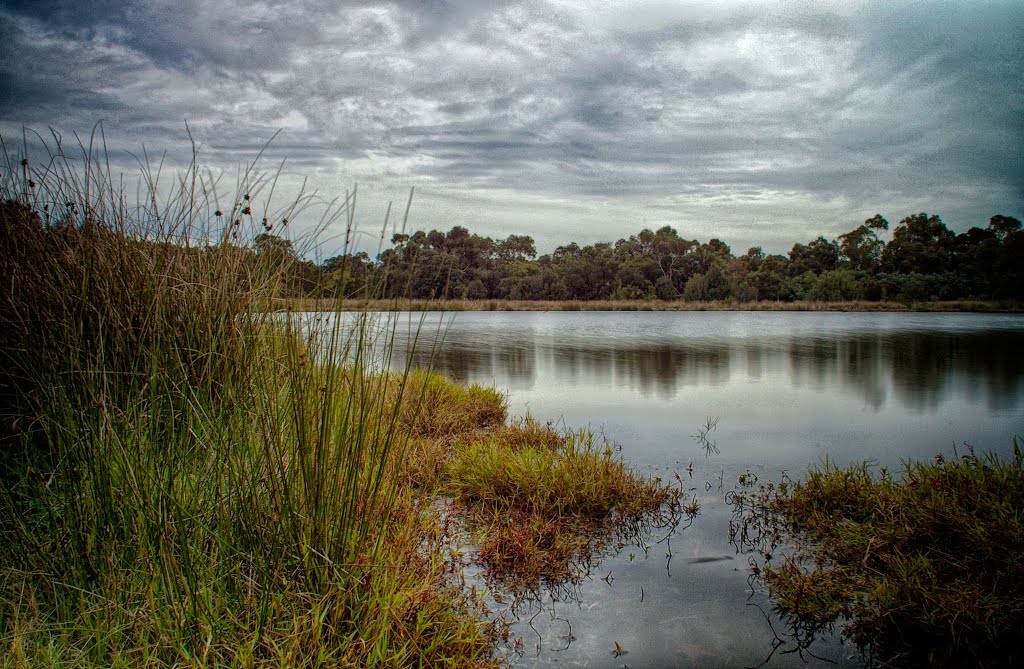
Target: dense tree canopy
(923, 260)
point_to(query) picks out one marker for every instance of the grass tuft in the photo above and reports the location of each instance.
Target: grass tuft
(544, 503)
(925, 569)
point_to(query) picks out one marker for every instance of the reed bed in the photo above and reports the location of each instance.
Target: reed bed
(185, 479)
(191, 477)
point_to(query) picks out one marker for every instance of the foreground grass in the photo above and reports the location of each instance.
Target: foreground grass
(255, 551)
(544, 504)
(190, 479)
(646, 305)
(925, 570)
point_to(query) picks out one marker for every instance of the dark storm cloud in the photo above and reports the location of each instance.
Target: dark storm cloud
(186, 34)
(803, 119)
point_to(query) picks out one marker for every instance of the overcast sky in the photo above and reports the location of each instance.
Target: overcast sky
(568, 120)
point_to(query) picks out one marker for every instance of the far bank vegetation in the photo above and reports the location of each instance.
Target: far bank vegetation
(923, 262)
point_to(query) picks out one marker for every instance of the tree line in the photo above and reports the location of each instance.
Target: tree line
(923, 260)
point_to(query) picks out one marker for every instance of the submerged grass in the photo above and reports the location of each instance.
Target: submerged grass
(545, 502)
(925, 570)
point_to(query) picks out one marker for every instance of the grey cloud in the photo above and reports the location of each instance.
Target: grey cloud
(188, 34)
(765, 112)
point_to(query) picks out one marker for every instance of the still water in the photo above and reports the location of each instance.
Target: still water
(788, 390)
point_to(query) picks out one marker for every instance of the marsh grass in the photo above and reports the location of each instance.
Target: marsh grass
(191, 476)
(185, 479)
(924, 569)
(545, 503)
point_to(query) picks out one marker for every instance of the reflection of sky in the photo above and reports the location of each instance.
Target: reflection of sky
(790, 389)
(882, 374)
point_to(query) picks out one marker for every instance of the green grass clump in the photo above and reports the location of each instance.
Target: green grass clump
(444, 410)
(186, 478)
(926, 569)
(575, 478)
(547, 502)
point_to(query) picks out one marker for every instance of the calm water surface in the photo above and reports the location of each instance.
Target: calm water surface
(788, 390)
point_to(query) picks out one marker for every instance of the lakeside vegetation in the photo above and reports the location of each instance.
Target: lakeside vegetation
(921, 569)
(190, 479)
(358, 304)
(922, 262)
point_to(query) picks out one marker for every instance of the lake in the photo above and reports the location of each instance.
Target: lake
(788, 389)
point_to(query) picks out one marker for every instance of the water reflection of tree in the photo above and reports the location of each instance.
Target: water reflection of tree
(922, 366)
(660, 370)
(927, 368)
(863, 369)
(518, 361)
(923, 369)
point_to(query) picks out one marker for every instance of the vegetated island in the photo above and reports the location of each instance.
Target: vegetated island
(921, 568)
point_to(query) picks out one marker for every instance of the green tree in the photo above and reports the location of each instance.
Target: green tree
(836, 286)
(798, 287)
(588, 273)
(920, 243)
(977, 254)
(819, 256)
(515, 247)
(274, 248)
(861, 248)
(352, 275)
(706, 287)
(1003, 226)
(769, 276)
(276, 254)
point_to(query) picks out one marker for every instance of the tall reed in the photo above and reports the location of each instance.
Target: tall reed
(185, 477)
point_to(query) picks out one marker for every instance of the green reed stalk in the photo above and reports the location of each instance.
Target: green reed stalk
(186, 477)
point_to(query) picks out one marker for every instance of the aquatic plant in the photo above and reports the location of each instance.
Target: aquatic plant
(709, 445)
(921, 570)
(545, 503)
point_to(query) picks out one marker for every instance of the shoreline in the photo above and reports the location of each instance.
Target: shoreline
(953, 306)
